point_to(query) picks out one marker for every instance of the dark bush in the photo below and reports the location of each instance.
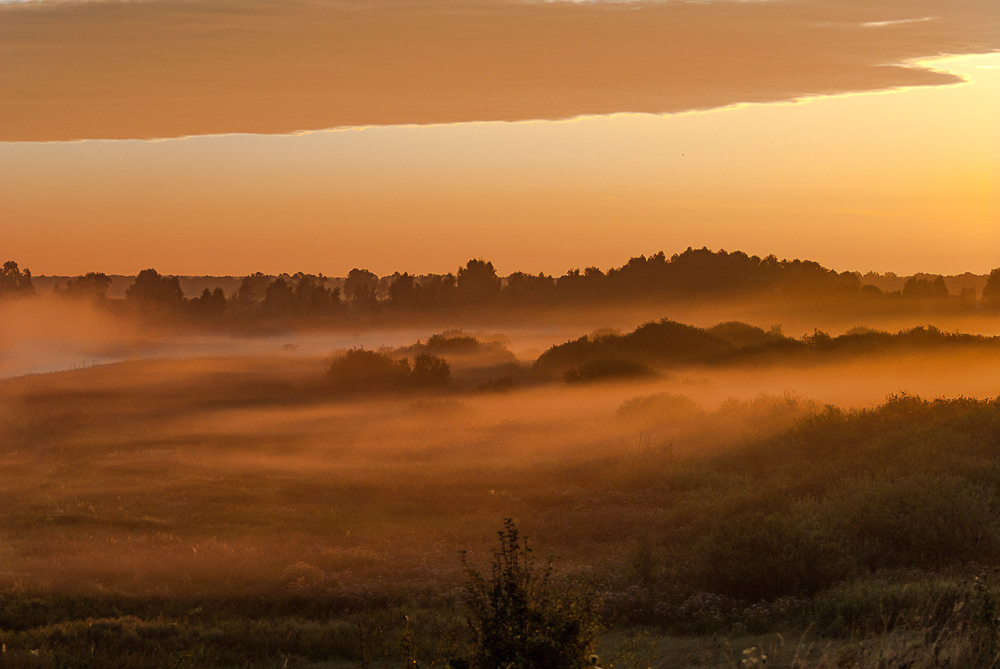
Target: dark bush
(429, 370)
(756, 556)
(518, 618)
(607, 369)
(360, 369)
(453, 342)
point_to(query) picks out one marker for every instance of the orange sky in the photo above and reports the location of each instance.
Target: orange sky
(903, 181)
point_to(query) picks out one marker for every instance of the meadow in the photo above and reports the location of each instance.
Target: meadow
(251, 510)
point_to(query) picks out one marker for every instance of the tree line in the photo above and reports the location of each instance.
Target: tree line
(692, 274)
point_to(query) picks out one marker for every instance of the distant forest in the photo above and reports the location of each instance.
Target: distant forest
(695, 274)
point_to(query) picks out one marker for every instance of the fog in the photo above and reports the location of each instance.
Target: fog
(185, 457)
(50, 334)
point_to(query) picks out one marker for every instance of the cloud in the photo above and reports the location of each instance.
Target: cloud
(76, 70)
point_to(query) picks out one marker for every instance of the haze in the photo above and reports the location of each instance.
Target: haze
(435, 277)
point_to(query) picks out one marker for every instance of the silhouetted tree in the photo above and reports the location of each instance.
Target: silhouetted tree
(403, 291)
(925, 289)
(437, 290)
(478, 282)
(279, 298)
(91, 286)
(252, 290)
(15, 281)
(360, 287)
(991, 291)
(312, 296)
(211, 304)
(521, 288)
(151, 291)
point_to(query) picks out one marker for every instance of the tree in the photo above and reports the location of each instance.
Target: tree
(14, 281)
(312, 296)
(360, 286)
(920, 288)
(521, 288)
(991, 291)
(252, 290)
(279, 298)
(403, 291)
(518, 618)
(478, 282)
(91, 286)
(211, 304)
(151, 291)
(437, 290)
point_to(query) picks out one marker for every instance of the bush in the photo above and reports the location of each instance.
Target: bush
(519, 619)
(360, 369)
(429, 370)
(365, 371)
(660, 405)
(607, 369)
(754, 556)
(925, 521)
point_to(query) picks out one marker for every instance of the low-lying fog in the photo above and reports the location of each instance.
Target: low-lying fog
(44, 335)
(205, 463)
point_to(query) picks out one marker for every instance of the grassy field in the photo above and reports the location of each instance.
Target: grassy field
(239, 512)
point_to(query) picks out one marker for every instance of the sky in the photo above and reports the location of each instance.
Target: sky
(232, 136)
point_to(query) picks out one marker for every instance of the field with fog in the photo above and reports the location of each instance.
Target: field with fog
(722, 492)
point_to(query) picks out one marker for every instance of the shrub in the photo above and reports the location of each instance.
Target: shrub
(519, 619)
(363, 370)
(453, 342)
(660, 405)
(429, 370)
(753, 556)
(926, 521)
(607, 369)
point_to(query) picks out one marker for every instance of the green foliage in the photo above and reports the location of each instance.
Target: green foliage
(519, 619)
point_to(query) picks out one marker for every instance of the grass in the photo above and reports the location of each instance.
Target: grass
(209, 513)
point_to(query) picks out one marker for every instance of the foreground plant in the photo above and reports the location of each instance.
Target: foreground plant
(519, 619)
